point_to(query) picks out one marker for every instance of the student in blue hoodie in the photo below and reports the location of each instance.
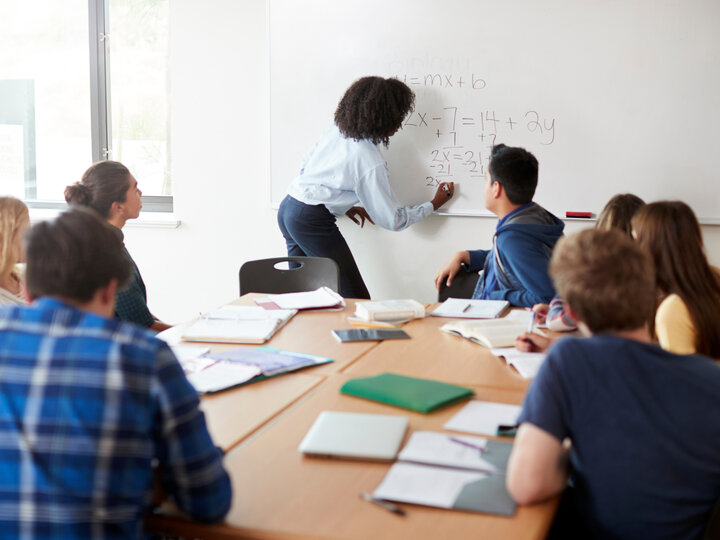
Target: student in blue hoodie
(516, 268)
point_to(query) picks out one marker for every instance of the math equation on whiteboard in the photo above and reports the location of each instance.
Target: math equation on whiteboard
(459, 136)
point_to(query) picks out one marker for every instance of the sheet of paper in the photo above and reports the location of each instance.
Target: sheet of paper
(319, 298)
(423, 484)
(520, 315)
(247, 313)
(483, 417)
(436, 448)
(222, 375)
(470, 309)
(527, 364)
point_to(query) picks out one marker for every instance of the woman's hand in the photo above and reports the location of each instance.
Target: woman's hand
(450, 269)
(358, 214)
(532, 342)
(541, 313)
(443, 194)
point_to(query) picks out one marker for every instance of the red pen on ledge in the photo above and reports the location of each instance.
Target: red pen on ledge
(578, 214)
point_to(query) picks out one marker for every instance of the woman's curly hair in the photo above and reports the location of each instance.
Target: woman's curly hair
(374, 108)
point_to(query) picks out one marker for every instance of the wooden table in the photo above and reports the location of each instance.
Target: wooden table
(278, 493)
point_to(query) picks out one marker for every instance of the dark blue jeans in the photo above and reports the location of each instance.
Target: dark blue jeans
(310, 231)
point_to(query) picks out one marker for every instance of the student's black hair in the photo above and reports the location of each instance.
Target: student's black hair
(517, 171)
(74, 255)
(374, 108)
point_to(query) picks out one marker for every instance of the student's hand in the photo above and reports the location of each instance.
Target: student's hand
(443, 194)
(450, 269)
(541, 313)
(358, 214)
(532, 342)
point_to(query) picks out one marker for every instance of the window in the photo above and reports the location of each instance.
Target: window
(59, 112)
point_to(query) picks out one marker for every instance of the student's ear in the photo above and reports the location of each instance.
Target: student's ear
(496, 189)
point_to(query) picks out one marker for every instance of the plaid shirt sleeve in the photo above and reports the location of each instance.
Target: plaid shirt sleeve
(191, 466)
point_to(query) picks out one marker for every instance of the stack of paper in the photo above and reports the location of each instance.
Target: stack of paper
(461, 308)
(390, 310)
(322, 298)
(237, 324)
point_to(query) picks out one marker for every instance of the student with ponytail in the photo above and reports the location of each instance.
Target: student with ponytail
(108, 188)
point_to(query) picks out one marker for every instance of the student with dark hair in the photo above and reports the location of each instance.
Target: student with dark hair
(616, 413)
(344, 168)
(515, 269)
(108, 188)
(95, 411)
(688, 316)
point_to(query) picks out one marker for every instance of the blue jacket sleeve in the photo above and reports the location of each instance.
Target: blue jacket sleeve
(477, 259)
(528, 262)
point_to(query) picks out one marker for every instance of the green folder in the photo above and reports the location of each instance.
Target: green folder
(421, 395)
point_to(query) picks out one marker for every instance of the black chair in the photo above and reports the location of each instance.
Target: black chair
(463, 286)
(303, 274)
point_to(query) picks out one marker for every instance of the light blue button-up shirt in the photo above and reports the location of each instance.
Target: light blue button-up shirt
(340, 172)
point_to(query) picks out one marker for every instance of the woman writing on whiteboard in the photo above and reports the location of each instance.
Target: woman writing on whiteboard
(344, 168)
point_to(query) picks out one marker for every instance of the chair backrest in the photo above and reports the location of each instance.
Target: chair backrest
(463, 286)
(303, 274)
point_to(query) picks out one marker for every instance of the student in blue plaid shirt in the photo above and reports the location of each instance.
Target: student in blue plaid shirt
(108, 188)
(94, 412)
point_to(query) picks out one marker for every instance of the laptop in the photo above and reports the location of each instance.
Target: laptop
(348, 435)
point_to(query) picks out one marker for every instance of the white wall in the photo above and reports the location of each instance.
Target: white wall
(220, 175)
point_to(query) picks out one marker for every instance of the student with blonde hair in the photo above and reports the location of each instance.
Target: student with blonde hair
(688, 288)
(14, 220)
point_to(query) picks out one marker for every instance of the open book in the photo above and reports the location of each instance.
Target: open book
(237, 324)
(492, 333)
(450, 471)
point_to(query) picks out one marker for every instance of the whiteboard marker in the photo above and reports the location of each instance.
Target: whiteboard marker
(578, 214)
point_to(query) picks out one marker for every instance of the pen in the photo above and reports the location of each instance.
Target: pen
(467, 308)
(383, 503)
(447, 191)
(373, 324)
(531, 325)
(469, 445)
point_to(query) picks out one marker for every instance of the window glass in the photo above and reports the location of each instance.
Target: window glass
(140, 91)
(44, 97)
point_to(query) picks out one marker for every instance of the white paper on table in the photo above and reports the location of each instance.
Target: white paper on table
(423, 484)
(231, 330)
(222, 375)
(319, 298)
(191, 357)
(483, 417)
(436, 448)
(246, 313)
(527, 364)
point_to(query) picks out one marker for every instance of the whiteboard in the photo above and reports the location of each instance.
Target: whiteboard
(610, 96)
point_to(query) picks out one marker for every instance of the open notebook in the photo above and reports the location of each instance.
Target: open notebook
(492, 333)
(449, 471)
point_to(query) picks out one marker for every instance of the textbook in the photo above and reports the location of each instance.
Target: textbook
(237, 324)
(492, 333)
(412, 393)
(449, 471)
(389, 310)
(462, 308)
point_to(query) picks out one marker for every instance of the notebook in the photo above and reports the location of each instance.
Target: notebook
(462, 308)
(237, 324)
(492, 333)
(432, 470)
(422, 395)
(355, 436)
(322, 298)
